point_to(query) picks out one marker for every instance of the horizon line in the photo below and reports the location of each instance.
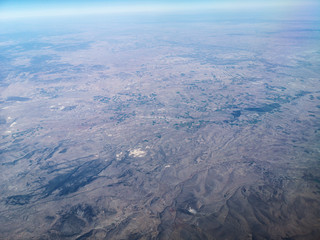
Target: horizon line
(114, 9)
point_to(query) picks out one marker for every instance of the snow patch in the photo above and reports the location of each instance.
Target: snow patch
(138, 152)
(192, 211)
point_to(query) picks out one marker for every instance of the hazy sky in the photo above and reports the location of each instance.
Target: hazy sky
(36, 8)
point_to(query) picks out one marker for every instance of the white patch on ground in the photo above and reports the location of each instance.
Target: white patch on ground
(137, 152)
(119, 156)
(166, 166)
(14, 188)
(12, 124)
(61, 108)
(192, 211)
(9, 118)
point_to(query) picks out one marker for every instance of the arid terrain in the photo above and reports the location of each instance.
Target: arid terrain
(160, 129)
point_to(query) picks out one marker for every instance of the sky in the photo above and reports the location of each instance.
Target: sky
(12, 9)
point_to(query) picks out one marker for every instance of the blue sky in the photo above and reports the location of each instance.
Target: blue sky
(37, 8)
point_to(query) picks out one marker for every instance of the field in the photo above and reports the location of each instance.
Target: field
(160, 129)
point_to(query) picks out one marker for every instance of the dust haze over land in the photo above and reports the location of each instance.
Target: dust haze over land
(160, 129)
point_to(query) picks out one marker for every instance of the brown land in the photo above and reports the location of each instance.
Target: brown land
(158, 131)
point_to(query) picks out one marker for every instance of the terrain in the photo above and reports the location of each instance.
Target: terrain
(160, 129)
